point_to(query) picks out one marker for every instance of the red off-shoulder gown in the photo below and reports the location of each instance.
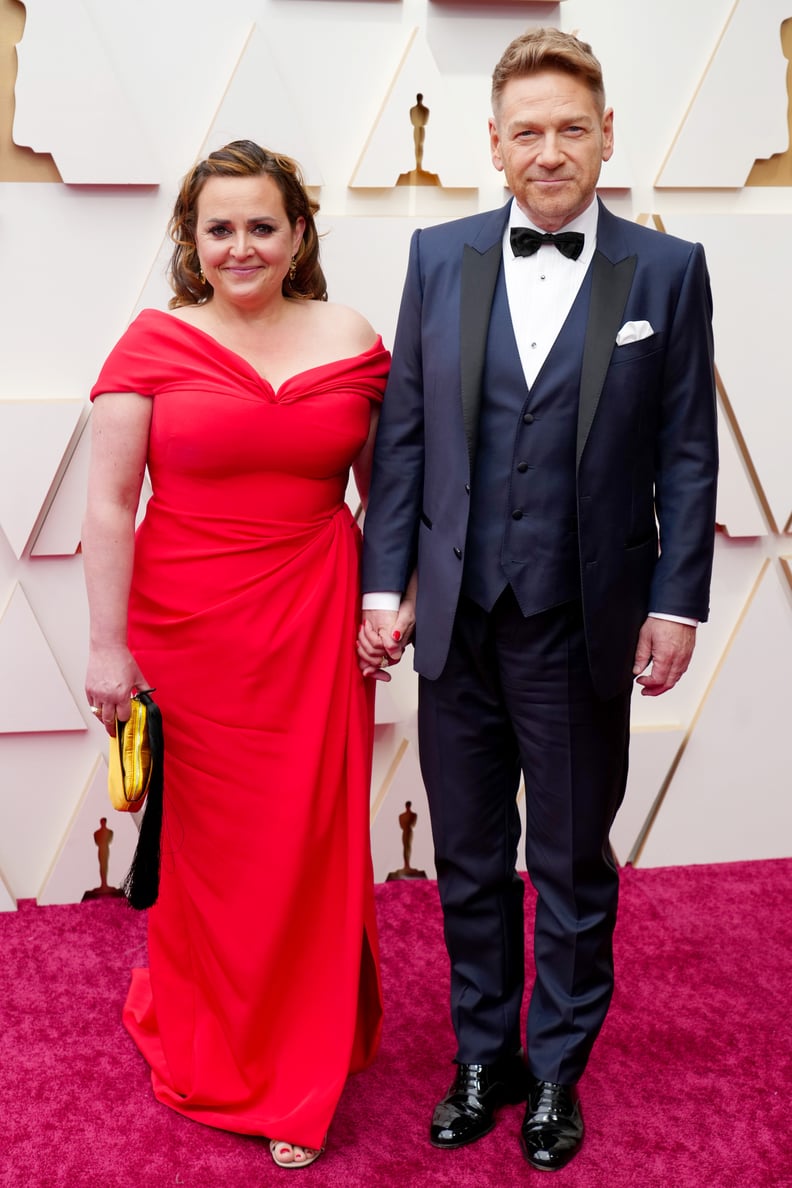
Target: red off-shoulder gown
(263, 988)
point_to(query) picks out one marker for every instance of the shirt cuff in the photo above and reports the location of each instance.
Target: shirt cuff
(674, 619)
(385, 600)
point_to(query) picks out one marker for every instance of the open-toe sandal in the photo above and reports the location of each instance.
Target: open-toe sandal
(291, 1155)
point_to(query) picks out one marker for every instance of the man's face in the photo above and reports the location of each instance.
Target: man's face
(550, 140)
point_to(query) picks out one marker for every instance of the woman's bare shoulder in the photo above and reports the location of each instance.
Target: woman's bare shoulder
(347, 326)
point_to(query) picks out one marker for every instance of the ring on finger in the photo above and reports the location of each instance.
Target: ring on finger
(385, 661)
(96, 709)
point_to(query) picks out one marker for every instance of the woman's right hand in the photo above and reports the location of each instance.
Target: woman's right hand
(113, 676)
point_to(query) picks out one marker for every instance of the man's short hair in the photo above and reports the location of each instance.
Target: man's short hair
(548, 49)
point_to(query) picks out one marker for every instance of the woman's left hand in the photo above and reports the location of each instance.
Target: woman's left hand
(384, 635)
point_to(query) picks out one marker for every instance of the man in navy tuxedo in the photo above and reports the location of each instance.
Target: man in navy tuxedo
(546, 463)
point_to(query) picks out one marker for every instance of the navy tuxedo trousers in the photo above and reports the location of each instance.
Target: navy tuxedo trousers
(516, 695)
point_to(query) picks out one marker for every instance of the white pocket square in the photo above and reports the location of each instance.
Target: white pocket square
(634, 332)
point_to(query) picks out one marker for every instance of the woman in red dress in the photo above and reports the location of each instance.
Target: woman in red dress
(237, 600)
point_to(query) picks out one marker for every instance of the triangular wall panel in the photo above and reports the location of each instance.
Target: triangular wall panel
(652, 751)
(7, 901)
(402, 782)
(256, 106)
(34, 437)
(93, 133)
(390, 149)
(395, 700)
(617, 174)
(735, 573)
(742, 509)
(744, 809)
(752, 336)
(75, 868)
(34, 697)
(739, 510)
(350, 245)
(739, 111)
(59, 534)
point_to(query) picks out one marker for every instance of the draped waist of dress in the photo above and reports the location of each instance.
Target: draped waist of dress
(188, 560)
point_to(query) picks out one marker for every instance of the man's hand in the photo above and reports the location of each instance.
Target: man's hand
(668, 647)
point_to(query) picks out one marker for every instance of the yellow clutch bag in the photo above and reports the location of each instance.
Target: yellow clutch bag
(132, 757)
(135, 775)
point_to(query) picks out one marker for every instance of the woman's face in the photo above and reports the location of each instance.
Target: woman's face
(244, 239)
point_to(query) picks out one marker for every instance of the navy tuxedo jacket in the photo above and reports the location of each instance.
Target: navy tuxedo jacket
(646, 435)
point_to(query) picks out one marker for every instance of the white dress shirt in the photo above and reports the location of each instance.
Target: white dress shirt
(542, 288)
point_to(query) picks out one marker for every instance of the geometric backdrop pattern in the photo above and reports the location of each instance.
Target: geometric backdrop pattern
(710, 770)
(743, 86)
(34, 442)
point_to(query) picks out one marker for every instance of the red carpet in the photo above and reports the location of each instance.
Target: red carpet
(689, 1086)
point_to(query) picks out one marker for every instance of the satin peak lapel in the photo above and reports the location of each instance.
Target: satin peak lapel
(610, 287)
(479, 277)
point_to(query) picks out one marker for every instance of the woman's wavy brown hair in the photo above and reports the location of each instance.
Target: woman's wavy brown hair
(243, 158)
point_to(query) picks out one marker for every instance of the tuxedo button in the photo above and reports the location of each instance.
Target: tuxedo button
(522, 467)
(467, 488)
(517, 514)
(528, 419)
(457, 553)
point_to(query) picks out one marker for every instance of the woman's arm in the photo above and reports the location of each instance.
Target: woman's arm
(119, 447)
(361, 467)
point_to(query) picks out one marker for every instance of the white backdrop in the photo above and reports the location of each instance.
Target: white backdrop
(124, 97)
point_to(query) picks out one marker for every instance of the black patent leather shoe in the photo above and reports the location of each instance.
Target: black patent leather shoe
(552, 1130)
(467, 1112)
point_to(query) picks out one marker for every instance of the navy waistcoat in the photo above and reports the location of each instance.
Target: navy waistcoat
(523, 517)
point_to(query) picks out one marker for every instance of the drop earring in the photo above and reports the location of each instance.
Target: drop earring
(293, 268)
(201, 276)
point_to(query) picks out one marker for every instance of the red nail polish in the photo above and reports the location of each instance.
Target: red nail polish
(397, 635)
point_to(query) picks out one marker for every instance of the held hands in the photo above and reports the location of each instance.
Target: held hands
(113, 676)
(384, 635)
(668, 647)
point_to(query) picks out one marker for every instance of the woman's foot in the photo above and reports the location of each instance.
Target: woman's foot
(289, 1155)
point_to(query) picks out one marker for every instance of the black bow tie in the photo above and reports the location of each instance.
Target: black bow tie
(525, 242)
